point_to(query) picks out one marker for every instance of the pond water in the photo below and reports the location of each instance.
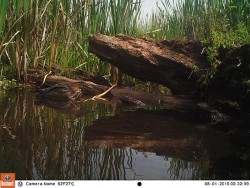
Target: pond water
(51, 141)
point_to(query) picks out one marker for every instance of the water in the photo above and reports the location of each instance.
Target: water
(98, 141)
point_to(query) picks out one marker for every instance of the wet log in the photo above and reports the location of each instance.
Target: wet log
(114, 97)
(172, 64)
(86, 87)
(76, 73)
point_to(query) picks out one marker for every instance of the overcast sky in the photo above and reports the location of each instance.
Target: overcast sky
(149, 5)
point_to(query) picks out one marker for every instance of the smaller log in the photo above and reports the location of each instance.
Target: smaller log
(86, 87)
(116, 95)
(77, 73)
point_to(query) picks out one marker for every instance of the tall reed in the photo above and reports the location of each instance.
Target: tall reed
(194, 19)
(38, 34)
(3, 10)
(57, 31)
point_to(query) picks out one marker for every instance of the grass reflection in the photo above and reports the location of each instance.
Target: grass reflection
(38, 142)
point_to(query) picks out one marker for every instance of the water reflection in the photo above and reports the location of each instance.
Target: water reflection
(39, 142)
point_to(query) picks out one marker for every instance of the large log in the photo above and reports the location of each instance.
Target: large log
(168, 63)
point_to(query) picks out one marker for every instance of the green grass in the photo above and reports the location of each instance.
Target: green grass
(44, 33)
(195, 19)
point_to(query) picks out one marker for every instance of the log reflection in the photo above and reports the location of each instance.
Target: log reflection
(39, 142)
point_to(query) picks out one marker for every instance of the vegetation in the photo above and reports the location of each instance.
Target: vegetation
(37, 34)
(7, 83)
(41, 33)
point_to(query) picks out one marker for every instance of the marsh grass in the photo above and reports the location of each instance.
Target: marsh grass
(37, 33)
(196, 19)
(56, 32)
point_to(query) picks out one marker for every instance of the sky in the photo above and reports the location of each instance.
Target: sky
(149, 5)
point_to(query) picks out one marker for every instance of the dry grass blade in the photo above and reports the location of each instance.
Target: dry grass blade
(104, 93)
(44, 79)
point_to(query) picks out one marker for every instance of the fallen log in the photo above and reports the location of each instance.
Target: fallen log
(86, 87)
(77, 73)
(115, 96)
(173, 64)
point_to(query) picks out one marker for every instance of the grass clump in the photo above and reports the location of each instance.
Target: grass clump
(7, 83)
(37, 34)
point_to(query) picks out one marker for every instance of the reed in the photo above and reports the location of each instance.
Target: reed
(37, 34)
(3, 10)
(195, 19)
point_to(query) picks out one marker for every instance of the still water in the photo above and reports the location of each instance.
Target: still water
(51, 141)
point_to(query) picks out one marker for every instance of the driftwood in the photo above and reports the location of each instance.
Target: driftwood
(77, 73)
(116, 95)
(87, 87)
(172, 64)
